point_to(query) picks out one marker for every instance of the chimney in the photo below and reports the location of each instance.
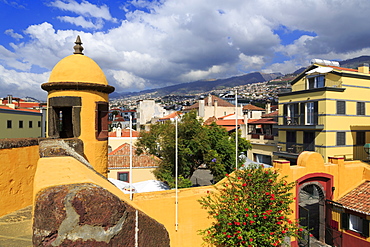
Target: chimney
(119, 132)
(209, 100)
(268, 107)
(10, 102)
(215, 108)
(201, 108)
(364, 68)
(10, 99)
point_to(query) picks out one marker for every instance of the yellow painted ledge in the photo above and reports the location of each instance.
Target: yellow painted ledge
(54, 171)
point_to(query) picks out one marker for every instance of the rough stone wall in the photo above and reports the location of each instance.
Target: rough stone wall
(89, 215)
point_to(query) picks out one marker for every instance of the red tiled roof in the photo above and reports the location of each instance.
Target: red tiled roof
(124, 133)
(220, 103)
(119, 119)
(253, 108)
(341, 68)
(252, 120)
(18, 109)
(169, 116)
(263, 121)
(210, 120)
(271, 114)
(229, 122)
(120, 158)
(358, 199)
(226, 116)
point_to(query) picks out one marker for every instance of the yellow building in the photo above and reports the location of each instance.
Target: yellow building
(327, 111)
(20, 123)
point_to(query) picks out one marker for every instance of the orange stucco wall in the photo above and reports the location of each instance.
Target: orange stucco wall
(18, 167)
(191, 217)
(158, 205)
(346, 175)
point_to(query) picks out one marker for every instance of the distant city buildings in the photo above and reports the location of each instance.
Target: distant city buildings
(21, 119)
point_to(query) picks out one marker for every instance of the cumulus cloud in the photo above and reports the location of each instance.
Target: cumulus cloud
(84, 8)
(22, 84)
(14, 35)
(82, 22)
(167, 42)
(90, 16)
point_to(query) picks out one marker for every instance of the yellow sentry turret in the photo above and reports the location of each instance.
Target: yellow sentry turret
(78, 105)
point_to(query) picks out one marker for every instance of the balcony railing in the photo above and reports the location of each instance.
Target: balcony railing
(296, 149)
(328, 83)
(302, 120)
(262, 136)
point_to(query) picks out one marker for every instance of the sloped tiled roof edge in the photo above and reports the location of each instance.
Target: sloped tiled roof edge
(358, 199)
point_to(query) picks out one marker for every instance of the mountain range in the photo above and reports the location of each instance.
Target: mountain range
(202, 86)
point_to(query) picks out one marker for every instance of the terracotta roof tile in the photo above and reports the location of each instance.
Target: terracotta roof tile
(18, 109)
(169, 116)
(124, 133)
(220, 103)
(358, 199)
(341, 68)
(253, 108)
(271, 114)
(210, 120)
(263, 121)
(120, 158)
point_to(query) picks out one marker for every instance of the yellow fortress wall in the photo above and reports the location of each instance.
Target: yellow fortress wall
(19, 161)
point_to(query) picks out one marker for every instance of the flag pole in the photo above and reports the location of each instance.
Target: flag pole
(131, 158)
(236, 130)
(176, 175)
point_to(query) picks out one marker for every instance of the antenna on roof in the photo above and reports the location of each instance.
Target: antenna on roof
(78, 47)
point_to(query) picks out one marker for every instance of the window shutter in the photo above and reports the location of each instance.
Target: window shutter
(296, 112)
(316, 112)
(365, 228)
(285, 113)
(341, 107)
(360, 108)
(345, 221)
(302, 114)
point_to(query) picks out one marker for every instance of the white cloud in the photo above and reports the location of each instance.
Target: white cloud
(12, 34)
(168, 42)
(84, 8)
(22, 84)
(82, 22)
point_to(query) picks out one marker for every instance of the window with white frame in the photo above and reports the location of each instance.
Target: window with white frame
(315, 81)
(310, 113)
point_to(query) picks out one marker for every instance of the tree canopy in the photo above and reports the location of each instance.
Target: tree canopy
(198, 144)
(251, 208)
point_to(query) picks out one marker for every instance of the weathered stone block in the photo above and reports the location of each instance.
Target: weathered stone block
(89, 215)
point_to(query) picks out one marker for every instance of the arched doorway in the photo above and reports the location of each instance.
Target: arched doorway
(312, 209)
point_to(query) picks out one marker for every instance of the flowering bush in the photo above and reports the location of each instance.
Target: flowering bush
(250, 209)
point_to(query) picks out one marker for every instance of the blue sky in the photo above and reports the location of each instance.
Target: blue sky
(148, 44)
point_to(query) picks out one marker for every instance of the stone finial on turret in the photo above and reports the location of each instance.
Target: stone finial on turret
(78, 47)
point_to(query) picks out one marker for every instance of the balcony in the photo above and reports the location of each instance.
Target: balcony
(301, 122)
(293, 150)
(328, 84)
(261, 137)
